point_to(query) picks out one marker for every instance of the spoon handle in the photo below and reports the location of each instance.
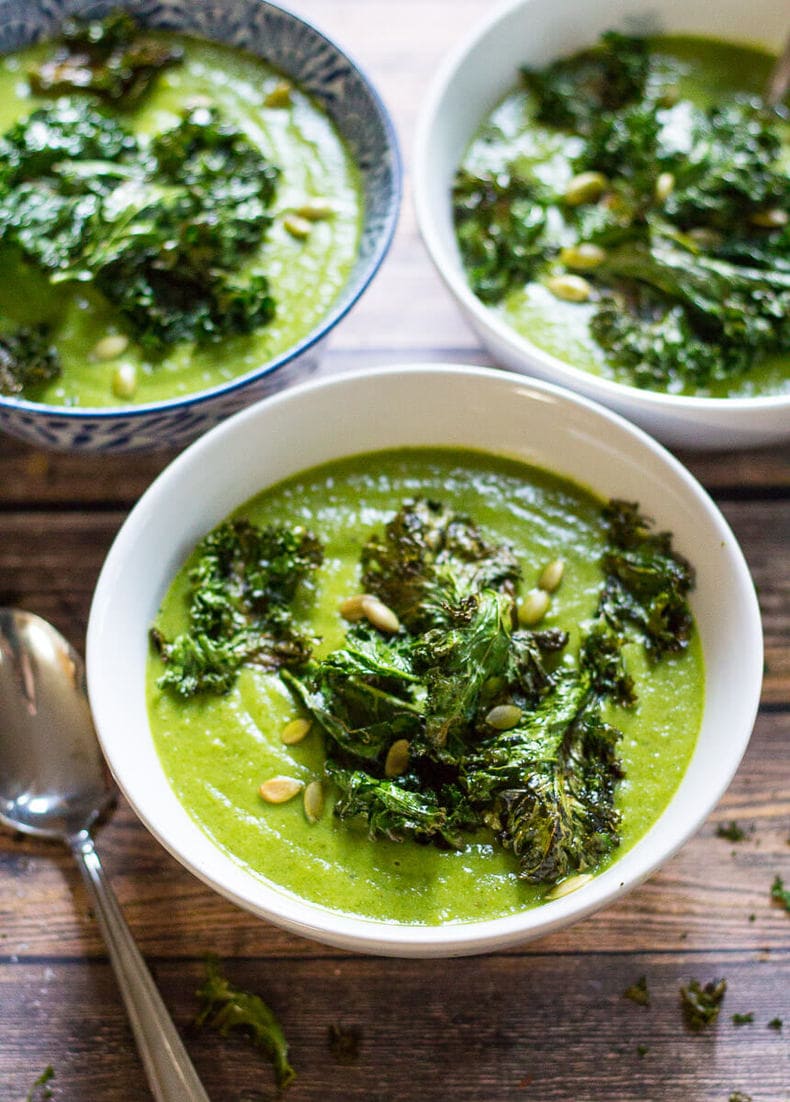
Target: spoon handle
(171, 1076)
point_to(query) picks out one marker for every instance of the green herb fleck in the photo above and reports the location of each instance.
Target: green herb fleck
(228, 1008)
(642, 1050)
(780, 893)
(638, 992)
(742, 1019)
(40, 1091)
(775, 1023)
(732, 832)
(344, 1043)
(739, 1096)
(701, 1004)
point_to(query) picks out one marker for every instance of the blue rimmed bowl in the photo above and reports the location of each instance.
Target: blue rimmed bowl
(324, 71)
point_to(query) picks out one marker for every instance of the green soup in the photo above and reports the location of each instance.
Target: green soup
(216, 751)
(305, 274)
(702, 72)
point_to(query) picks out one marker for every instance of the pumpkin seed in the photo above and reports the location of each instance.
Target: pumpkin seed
(351, 608)
(297, 227)
(110, 348)
(397, 760)
(278, 790)
(280, 95)
(551, 575)
(585, 188)
(295, 731)
(534, 607)
(772, 219)
(665, 185)
(572, 884)
(670, 96)
(124, 381)
(380, 615)
(704, 237)
(316, 209)
(504, 716)
(571, 288)
(583, 257)
(313, 800)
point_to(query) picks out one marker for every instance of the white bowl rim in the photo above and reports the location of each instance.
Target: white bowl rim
(380, 937)
(451, 271)
(354, 285)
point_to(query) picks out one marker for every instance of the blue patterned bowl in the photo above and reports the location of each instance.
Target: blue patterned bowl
(320, 68)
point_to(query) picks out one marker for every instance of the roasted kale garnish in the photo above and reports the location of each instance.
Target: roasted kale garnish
(242, 587)
(701, 1005)
(689, 212)
(228, 1008)
(498, 733)
(162, 228)
(682, 315)
(110, 58)
(646, 583)
(27, 360)
(572, 92)
(499, 225)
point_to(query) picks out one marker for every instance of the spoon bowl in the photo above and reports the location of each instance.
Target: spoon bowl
(54, 784)
(53, 780)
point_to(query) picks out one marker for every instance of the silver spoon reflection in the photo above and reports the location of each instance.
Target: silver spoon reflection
(54, 784)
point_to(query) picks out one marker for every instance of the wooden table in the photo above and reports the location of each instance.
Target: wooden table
(547, 1021)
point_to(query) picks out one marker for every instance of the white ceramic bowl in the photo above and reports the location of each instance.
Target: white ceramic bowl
(471, 83)
(319, 67)
(425, 405)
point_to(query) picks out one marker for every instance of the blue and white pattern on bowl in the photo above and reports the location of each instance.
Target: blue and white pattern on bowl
(320, 68)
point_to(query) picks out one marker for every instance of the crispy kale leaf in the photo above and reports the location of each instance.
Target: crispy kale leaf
(731, 170)
(572, 92)
(499, 225)
(646, 582)
(430, 558)
(109, 58)
(689, 315)
(362, 695)
(162, 229)
(549, 783)
(242, 586)
(460, 670)
(546, 785)
(227, 1009)
(700, 1004)
(27, 360)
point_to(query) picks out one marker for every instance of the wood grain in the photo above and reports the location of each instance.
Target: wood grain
(544, 1021)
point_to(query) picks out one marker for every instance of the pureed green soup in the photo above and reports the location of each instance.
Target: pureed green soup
(218, 749)
(610, 206)
(306, 269)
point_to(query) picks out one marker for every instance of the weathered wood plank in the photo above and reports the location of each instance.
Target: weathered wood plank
(535, 1026)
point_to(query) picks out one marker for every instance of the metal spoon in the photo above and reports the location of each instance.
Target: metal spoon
(54, 783)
